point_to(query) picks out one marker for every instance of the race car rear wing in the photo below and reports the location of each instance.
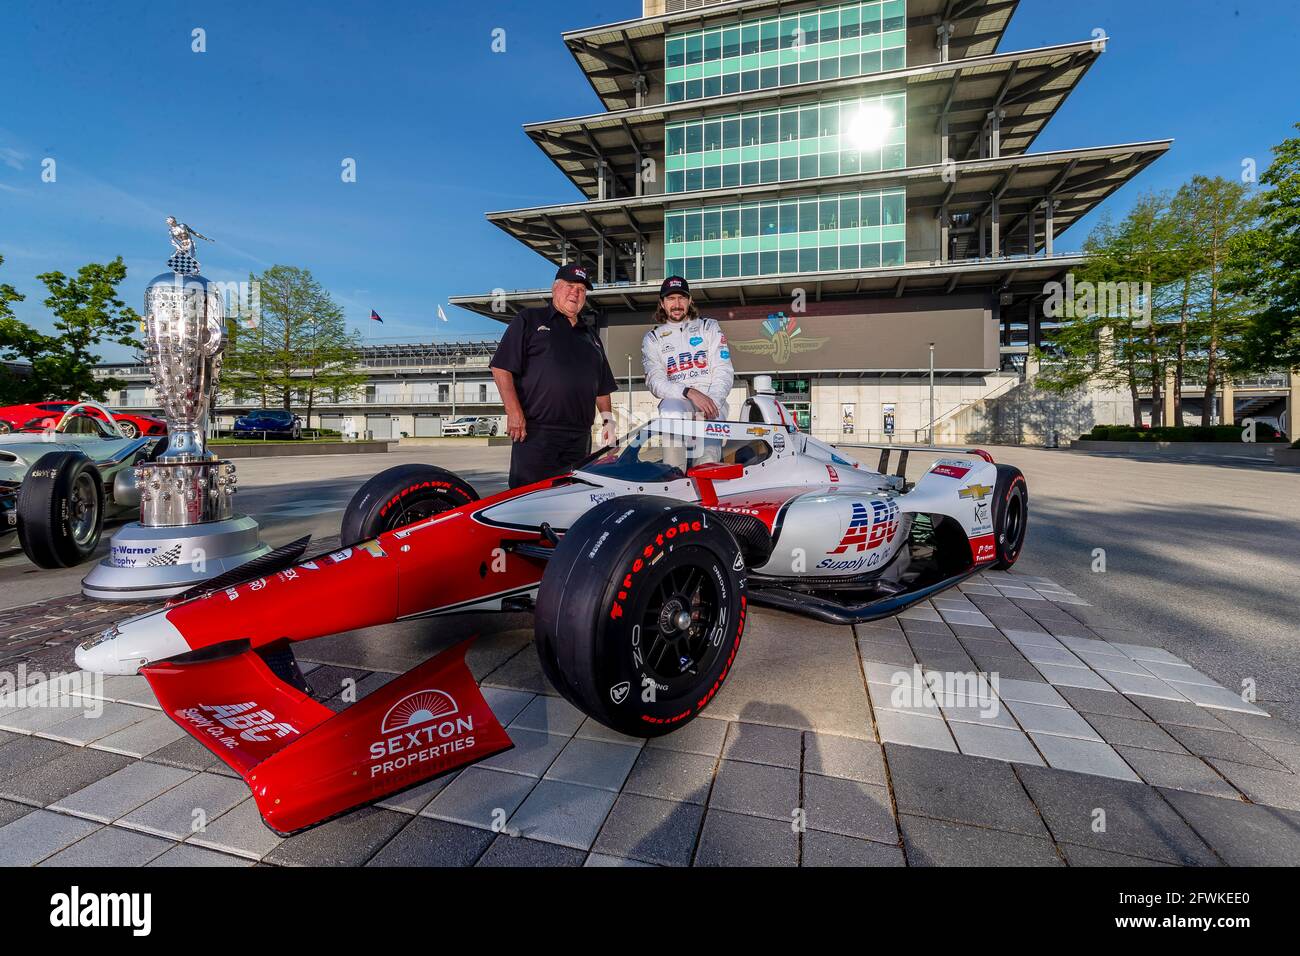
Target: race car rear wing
(903, 450)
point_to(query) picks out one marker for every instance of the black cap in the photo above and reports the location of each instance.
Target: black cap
(574, 273)
(674, 284)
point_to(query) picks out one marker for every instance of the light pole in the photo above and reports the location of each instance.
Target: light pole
(929, 432)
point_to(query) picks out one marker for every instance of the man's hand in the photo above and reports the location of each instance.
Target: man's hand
(706, 406)
(516, 427)
(608, 434)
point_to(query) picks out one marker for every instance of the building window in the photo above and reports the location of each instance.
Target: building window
(482, 393)
(444, 392)
(866, 134)
(849, 231)
(853, 39)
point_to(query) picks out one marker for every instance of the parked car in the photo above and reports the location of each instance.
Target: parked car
(41, 416)
(471, 425)
(56, 490)
(270, 421)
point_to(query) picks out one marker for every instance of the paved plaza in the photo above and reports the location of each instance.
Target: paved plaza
(1009, 721)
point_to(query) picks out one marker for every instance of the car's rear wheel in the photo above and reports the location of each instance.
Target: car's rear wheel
(1011, 515)
(640, 613)
(128, 429)
(401, 496)
(61, 510)
(5, 427)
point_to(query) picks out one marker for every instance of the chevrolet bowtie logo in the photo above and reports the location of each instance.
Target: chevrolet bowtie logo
(978, 492)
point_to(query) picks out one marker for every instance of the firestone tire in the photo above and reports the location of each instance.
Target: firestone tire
(61, 510)
(401, 496)
(640, 613)
(1010, 515)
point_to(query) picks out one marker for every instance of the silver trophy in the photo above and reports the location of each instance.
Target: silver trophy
(188, 531)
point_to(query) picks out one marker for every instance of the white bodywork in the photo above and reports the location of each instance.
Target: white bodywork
(829, 515)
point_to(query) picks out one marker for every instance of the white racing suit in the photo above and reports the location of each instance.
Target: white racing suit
(692, 353)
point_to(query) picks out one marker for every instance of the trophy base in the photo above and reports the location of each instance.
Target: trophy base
(148, 563)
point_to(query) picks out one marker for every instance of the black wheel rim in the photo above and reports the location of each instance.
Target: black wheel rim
(409, 512)
(680, 623)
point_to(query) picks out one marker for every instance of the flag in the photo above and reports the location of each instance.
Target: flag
(374, 317)
(441, 314)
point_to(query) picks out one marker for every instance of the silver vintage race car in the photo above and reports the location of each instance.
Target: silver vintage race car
(57, 487)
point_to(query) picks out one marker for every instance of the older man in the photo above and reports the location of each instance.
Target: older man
(551, 370)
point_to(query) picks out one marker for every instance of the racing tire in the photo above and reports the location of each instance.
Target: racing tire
(61, 510)
(640, 613)
(1010, 516)
(400, 496)
(5, 427)
(128, 429)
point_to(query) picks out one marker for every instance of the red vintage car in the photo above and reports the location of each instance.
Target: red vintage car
(40, 416)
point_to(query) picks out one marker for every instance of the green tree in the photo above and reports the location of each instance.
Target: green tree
(14, 389)
(1212, 214)
(1264, 265)
(1115, 329)
(87, 313)
(301, 348)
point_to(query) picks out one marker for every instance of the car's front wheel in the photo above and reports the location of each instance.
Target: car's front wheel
(128, 429)
(640, 613)
(400, 496)
(61, 510)
(5, 427)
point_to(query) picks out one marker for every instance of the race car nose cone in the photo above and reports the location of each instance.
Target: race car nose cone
(126, 647)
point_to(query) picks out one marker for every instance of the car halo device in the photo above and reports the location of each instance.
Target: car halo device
(188, 531)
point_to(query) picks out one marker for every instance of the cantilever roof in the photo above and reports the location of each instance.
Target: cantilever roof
(1021, 276)
(1078, 178)
(1028, 85)
(611, 55)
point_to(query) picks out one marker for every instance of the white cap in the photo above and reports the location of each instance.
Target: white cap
(763, 385)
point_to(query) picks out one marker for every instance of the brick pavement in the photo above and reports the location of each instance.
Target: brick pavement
(1007, 722)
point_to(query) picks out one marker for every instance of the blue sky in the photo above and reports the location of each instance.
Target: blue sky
(246, 140)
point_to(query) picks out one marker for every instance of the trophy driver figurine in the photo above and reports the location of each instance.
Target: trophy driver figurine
(188, 531)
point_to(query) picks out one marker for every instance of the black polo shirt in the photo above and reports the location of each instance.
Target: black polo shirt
(559, 368)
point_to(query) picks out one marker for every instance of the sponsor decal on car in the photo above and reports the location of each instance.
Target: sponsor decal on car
(983, 519)
(718, 428)
(977, 492)
(983, 548)
(835, 475)
(778, 442)
(598, 496)
(951, 468)
(424, 725)
(870, 526)
(760, 432)
(227, 724)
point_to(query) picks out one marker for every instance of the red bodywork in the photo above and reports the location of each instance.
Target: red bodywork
(303, 762)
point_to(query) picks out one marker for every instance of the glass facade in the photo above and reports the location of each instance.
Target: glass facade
(857, 230)
(830, 42)
(865, 134)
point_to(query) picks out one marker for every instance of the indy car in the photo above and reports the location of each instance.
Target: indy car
(640, 566)
(59, 486)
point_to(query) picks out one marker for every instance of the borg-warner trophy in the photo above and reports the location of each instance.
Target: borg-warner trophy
(188, 531)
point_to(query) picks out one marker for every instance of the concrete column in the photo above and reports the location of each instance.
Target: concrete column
(1226, 413)
(944, 35)
(944, 151)
(945, 226)
(1167, 407)
(984, 249)
(1050, 225)
(640, 261)
(1292, 406)
(995, 231)
(602, 176)
(600, 262)
(994, 127)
